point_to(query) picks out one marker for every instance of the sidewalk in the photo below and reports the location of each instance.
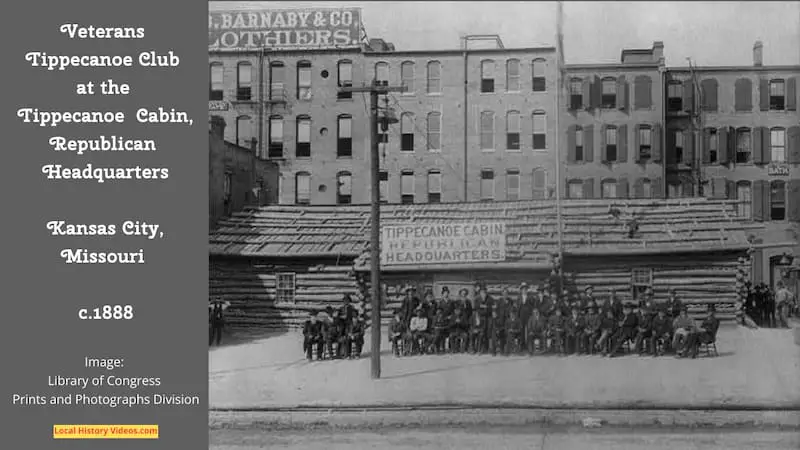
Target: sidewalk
(755, 369)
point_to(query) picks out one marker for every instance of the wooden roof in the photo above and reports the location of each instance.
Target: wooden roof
(591, 227)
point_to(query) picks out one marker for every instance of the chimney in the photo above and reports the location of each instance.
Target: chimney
(658, 50)
(216, 125)
(758, 54)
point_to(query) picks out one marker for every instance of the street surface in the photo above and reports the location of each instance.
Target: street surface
(756, 368)
(513, 438)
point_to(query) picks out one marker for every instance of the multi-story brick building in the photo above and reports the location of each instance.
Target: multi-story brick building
(613, 126)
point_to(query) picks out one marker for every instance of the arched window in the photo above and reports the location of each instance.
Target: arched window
(434, 77)
(487, 76)
(777, 200)
(304, 80)
(434, 131)
(610, 150)
(777, 95)
(645, 140)
(609, 95)
(407, 187)
(540, 191)
(513, 130)
(512, 184)
(675, 95)
(275, 137)
(244, 82)
(344, 70)
(575, 94)
(407, 76)
(744, 146)
(512, 75)
(302, 192)
(344, 188)
(777, 142)
(743, 94)
(744, 195)
(344, 136)
(575, 189)
(303, 146)
(434, 186)
(579, 156)
(539, 75)
(487, 130)
(539, 130)
(244, 131)
(277, 75)
(382, 74)
(647, 188)
(608, 188)
(217, 88)
(407, 132)
(487, 185)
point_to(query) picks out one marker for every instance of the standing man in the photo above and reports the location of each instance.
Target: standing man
(525, 310)
(783, 300)
(674, 304)
(409, 305)
(216, 319)
(588, 298)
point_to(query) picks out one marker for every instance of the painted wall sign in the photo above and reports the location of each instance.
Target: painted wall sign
(454, 243)
(778, 170)
(217, 105)
(316, 28)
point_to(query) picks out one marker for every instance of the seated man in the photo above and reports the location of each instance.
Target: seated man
(706, 334)
(441, 326)
(661, 330)
(312, 336)
(459, 329)
(497, 330)
(682, 327)
(644, 330)
(419, 332)
(628, 328)
(355, 337)
(591, 331)
(608, 328)
(514, 339)
(556, 331)
(477, 332)
(396, 332)
(574, 331)
(537, 330)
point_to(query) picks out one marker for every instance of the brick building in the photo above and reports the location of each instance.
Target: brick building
(236, 178)
(613, 127)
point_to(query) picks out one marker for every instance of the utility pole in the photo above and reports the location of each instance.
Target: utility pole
(375, 217)
(560, 85)
(697, 131)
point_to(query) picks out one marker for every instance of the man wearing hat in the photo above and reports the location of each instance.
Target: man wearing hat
(615, 305)
(682, 327)
(706, 334)
(628, 329)
(588, 297)
(575, 327)
(445, 302)
(409, 305)
(644, 328)
(674, 304)
(312, 337)
(592, 329)
(216, 319)
(661, 330)
(526, 306)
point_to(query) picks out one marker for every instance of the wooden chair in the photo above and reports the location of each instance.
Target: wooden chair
(710, 348)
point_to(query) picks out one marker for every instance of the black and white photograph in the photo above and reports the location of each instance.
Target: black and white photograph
(511, 225)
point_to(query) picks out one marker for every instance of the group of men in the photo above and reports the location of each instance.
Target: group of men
(537, 321)
(766, 308)
(336, 334)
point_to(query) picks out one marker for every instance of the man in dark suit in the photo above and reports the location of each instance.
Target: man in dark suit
(409, 305)
(661, 330)
(312, 337)
(706, 334)
(216, 320)
(576, 325)
(628, 328)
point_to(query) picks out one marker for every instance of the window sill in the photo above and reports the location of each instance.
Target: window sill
(344, 157)
(345, 100)
(514, 150)
(540, 92)
(434, 150)
(487, 93)
(542, 150)
(487, 150)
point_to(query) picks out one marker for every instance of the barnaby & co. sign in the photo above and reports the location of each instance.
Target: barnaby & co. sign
(455, 243)
(316, 28)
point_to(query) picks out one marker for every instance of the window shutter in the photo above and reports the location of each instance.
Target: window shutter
(709, 89)
(720, 185)
(637, 144)
(587, 93)
(622, 143)
(655, 144)
(791, 94)
(588, 143)
(766, 145)
(758, 265)
(758, 142)
(758, 200)
(603, 142)
(688, 96)
(622, 188)
(706, 146)
(731, 194)
(688, 148)
(658, 188)
(588, 188)
(793, 200)
(597, 92)
(744, 94)
(763, 90)
(722, 145)
(622, 93)
(731, 144)
(670, 147)
(642, 88)
(571, 157)
(566, 189)
(638, 188)
(793, 141)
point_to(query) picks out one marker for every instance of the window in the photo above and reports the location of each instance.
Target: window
(675, 189)
(609, 96)
(302, 194)
(344, 188)
(744, 152)
(434, 186)
(512, 130)
(344, 142)
(641, 281)
(539, 130)
(407, 76)
(275, 137)
(647, 188)
(382, 74)
(227, 188)
(434, 131)
(540, 184)
(217, 87)
(244, 132)
(284, 288)
(777, 200)
(777, 142)
(303, 149)
(744, 195)
(578, 144)
(383, 181)
(512, 184)
(512, 75)
(575, 94)
(713, 145)
(407, 187)
(575, 189)
(244, 82)
(487, 185)
(345, 71)
(611, 144)
(487, 76)
(487, 130)
(675, 96)
(304, 80)
(609, 189)
(678, 146)
(539, 79)
(434, 77)
(645, 142)
(407, 132)
(777, 95)
(277, 78)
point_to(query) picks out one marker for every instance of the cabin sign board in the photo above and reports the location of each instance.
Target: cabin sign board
(440, 244)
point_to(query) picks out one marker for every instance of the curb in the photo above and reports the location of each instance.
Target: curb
(419, 418)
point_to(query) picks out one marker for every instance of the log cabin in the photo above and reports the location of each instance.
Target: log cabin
(275, 264)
